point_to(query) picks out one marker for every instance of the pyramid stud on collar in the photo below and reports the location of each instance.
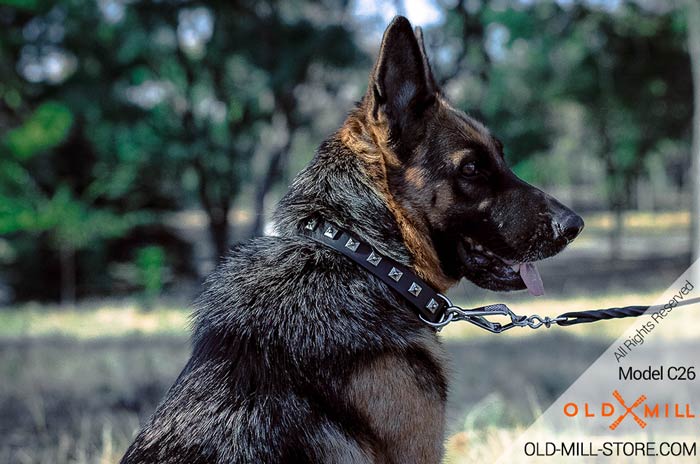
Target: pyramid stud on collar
(311, 224)
(331, 232)
(432, 306)
(352, 244)
(374, 259)
(414, 289)
(395, 274)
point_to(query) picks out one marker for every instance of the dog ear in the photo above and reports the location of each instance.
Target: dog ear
(432, 85)
(401, 84)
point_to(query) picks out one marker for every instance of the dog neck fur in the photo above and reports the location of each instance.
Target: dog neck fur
(368, 138)
(347, 183)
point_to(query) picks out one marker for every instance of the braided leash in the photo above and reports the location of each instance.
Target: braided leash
(478, 316)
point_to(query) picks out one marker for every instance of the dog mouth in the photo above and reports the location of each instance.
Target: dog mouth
(491, 271)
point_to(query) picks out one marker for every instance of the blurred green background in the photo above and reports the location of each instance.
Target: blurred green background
(140, 139)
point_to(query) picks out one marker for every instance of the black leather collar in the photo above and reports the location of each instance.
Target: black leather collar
(434, 308)
(429, 304)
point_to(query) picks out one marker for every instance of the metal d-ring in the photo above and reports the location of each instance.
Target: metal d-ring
(446, 318)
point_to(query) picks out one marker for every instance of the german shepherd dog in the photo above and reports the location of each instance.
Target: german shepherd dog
(300, 355)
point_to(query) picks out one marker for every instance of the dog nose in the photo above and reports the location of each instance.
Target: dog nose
(568, 225)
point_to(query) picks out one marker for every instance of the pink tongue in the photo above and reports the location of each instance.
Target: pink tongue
(532, 279)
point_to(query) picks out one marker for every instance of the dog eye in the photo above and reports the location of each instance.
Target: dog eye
(469, 169)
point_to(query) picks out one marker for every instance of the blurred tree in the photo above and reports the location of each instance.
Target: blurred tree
(69, 180)
(313, 45)
(462, 40)
(160, 106)
(236, 66)
(150, 261)
(27, 206)
(632, 106)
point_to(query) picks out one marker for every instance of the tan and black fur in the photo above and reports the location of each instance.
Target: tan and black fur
(301, 356)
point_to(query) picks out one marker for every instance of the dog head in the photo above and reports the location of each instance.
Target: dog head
(446, 179)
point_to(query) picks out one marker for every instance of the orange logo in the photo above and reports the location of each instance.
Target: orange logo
(628, 410)
(609, 410)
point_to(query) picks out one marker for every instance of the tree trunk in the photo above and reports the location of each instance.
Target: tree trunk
(616, 196)
(274, 171)
(276, 164)
(217, 208)
(694, 49)
(67, 260)
(617, 231)
(219, 232)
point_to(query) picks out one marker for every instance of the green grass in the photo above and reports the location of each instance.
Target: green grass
(93, 320)
(65, 400)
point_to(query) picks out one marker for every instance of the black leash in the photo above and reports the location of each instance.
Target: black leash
(476, 316)
(581, 317)
(434, 308)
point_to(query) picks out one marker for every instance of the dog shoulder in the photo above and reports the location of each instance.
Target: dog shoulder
(402, 395)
